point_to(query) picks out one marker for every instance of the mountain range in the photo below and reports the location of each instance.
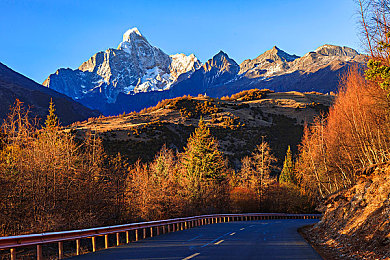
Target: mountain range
(137, 75)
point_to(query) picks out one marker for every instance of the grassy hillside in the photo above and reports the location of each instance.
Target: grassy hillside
(239, 122)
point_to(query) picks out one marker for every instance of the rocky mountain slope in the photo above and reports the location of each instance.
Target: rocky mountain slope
(356, 222)
(16, 86)
(238, 123)
(137, 75)
(135, 66)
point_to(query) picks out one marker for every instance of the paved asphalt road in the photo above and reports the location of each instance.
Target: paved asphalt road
(262, 239)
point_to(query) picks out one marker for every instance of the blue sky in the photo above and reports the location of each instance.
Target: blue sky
(37, 36)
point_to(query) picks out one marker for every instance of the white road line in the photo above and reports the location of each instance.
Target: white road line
(219, 242)
(232, 233)
(191, 256)
(242, 228)
(215, 240)
(193, 238)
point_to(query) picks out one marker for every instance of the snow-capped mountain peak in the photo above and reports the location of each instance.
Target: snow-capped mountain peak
(127, 35)
(135, 66)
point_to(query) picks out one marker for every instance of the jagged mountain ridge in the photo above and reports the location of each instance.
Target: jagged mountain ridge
(311, 72)
(320, 70)
(135, 66)
(137, 75)
(14, 86)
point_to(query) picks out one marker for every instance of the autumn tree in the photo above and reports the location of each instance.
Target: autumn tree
(355, 134)
(48, 182)
(116, 174)
(256, 169)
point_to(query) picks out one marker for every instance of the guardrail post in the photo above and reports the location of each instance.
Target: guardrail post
(118, 242)
(93, 244)
(39, 252)
(106, 241)
(144, 233)
(169, 228)
(136, 235)
(158, 230)
(185, 224)
(127, 237)
(13, 253)
(77, 246)
(60, 250)
(151, 231)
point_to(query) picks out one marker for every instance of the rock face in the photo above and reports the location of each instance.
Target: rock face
(277, 70)
(135, 66)
(356, 221)
(215, 72)
(137, 75)
(37, 97)
(266, 62)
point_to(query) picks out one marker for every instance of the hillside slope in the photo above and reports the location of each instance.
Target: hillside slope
(356, 222)
(238, 123)
(14, 85)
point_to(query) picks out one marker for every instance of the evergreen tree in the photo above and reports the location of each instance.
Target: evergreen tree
(287, 174)
(201, 160)
(203, 173)
(51, 119)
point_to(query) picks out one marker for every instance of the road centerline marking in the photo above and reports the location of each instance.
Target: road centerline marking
(242, 228)
(232, 234)
(219, 242)
(192, 239)
(215, 239)
(191, 256)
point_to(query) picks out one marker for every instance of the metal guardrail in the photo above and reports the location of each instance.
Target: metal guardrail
(156, 227)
